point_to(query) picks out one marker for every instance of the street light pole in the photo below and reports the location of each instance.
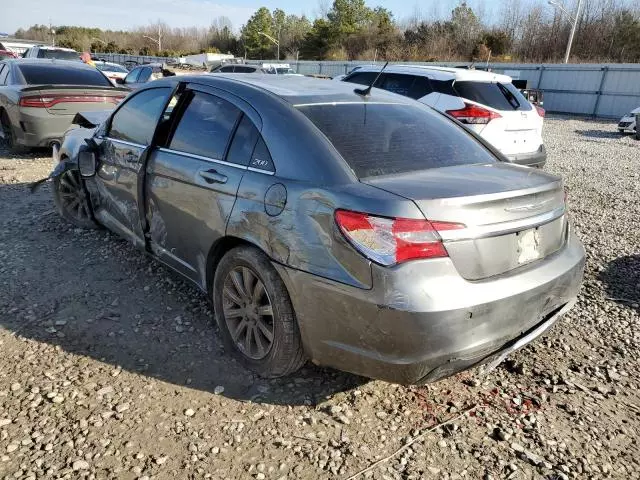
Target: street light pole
(275, 42)
(575, 18)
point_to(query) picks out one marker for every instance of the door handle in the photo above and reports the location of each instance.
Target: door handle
(212, 176)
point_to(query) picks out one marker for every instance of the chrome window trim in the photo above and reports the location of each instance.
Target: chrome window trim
(131, 144)
(200, 157)
(259, 170)
(502, 228)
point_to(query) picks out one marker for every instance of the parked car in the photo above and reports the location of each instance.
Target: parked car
(142, 74)
(7, 54)
(267, 68)
(114, 72)
(370, 234)
(38, 98)
(627, 123)
(485, 102)
(44, 51)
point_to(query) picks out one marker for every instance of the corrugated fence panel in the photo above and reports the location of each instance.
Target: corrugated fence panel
(608, 90)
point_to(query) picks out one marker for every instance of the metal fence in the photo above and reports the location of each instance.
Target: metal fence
(601, 90)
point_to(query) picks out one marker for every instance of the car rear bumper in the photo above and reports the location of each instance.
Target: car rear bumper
(38, 128)
(532, 159)
(422, 321)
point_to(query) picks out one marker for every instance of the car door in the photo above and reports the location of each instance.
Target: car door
(129, 135)
(192, 182)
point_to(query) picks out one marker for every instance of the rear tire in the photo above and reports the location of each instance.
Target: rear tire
(255, 315)
(72, 200)
(9, 134)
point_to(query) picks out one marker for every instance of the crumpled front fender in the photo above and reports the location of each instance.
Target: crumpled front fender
(62, 166)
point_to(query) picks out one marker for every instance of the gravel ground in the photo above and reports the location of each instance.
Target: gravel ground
(110, 367)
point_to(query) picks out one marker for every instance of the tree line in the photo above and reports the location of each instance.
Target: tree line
(524, 31)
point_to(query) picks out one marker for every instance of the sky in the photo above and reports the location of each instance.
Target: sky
(126, 14)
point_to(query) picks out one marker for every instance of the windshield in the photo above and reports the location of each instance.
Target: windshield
(111, 68)
(501, 96)
(59, 54)
(382, 139)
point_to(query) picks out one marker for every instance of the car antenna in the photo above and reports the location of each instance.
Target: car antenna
(367, 91)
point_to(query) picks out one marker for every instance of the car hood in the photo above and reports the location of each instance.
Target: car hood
(91, 119)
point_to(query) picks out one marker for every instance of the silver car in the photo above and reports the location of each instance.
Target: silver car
(39, 98)
(357, 229)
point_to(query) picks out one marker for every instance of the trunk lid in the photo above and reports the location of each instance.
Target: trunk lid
(71, 99)
(513, 215)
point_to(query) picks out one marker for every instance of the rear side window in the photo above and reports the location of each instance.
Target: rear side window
(261, 158)
(412, 86)
(205, 126)
(386, 139)
(226, 69)
(245, 69)
(50, 74)
(244, 141)
(136, 120)
(501, 96)
(59, 54)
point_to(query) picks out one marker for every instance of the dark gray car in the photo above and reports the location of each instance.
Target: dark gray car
(367, 233)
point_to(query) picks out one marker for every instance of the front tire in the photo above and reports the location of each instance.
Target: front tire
(255, 315)
(72, 200)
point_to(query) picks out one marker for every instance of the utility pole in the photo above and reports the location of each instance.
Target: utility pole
(52, 32)
(557, 4)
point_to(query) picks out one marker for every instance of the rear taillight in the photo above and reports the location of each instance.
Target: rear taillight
(47, 101)
(388, 241)
(473, 114)
(540, 110)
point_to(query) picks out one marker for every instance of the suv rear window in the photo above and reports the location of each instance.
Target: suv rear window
(50, 74)
(501, 96)
(59, 54)
(384, 139)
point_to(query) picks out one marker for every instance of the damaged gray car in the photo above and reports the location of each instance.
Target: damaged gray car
(357, 229)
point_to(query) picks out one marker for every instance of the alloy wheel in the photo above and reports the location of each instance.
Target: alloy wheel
(73, 196)
(248, 312)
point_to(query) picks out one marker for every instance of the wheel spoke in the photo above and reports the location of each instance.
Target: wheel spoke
(264, 329)
(247, 340)
(74, 203)
(257, 292)
(236, 278)
(261, 352)
(247, 280)
(231, 295)
(234, 313)
(235, 333)
(265, 311)
(72, 180)
(65, 181)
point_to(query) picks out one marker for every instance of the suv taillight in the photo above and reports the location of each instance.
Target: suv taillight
(473, 114)
(540, 110)
(388, 241)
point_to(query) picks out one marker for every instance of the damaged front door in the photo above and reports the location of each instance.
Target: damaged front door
(127, 141)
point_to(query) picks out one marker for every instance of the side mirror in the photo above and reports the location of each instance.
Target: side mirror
(120, 81)
(87, 164)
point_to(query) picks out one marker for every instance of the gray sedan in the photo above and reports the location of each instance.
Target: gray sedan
(39, 98)
(360, 230)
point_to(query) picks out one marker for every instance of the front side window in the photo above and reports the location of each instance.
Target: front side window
(205, 126)
(133, 76)
(386, 139)
(136, 120)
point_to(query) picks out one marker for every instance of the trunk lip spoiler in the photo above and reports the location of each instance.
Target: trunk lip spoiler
(502, 228)
(35, 88)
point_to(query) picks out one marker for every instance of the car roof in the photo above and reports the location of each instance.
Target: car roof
(48, 61)
(47, 47)
(440, 73)
(299, 90)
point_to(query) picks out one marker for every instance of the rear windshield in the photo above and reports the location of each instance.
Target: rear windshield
(111, 68)
(384, 139)
(61, 75)
(59, 54)
(501, 96)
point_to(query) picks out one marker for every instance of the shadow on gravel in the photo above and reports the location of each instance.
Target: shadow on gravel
(94, 295)
(621, 280)
(599, 134)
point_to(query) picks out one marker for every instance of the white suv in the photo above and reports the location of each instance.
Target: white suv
(486, 102)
